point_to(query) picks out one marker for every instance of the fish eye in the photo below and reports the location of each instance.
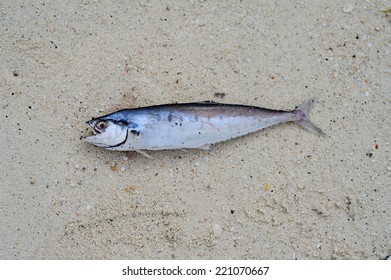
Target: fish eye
(101, 125)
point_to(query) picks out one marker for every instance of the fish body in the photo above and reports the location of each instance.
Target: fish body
(187, 125)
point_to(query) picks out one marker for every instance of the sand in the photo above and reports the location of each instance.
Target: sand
(281, 193)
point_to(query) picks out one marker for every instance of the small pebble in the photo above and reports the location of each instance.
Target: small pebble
(348, 7)
(217, 230)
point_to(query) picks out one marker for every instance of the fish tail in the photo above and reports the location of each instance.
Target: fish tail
(303, 112)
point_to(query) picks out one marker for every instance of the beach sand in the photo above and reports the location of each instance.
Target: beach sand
(281, 193)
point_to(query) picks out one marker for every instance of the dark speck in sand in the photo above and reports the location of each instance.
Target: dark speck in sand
(369, 155)
(220, 95)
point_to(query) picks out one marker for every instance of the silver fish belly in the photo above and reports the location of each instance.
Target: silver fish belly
(187, 125)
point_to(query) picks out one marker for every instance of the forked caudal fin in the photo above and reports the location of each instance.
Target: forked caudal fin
(303, 111)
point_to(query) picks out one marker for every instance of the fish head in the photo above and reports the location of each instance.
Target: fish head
(107, 133)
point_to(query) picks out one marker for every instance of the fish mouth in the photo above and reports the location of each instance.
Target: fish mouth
(94, 132)
(91, 124)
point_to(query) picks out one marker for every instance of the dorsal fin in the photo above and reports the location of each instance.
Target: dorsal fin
(207, 102)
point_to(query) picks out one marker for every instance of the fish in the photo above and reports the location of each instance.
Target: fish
(196, 125)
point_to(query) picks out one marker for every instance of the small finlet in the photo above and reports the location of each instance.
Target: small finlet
(205, 147)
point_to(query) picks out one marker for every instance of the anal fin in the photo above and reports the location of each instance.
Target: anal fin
(141, 152)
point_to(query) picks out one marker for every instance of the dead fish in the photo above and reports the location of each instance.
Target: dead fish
(187, 125)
